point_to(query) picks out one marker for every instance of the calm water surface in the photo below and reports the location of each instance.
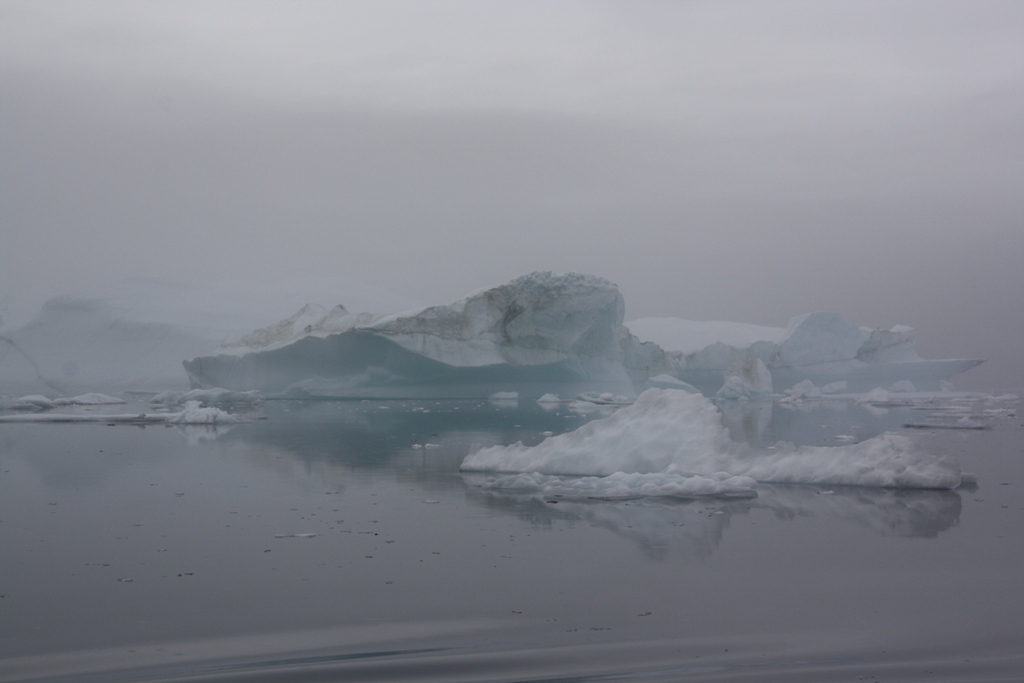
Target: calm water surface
(318, 542)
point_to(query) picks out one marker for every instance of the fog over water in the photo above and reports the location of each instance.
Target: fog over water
(718, 161)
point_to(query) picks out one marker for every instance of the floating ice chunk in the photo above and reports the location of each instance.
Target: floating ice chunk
(585, 407)
(748, 378)
(219, 396)
(119, 418)
(878, 395)
(30, 403)
(834, 387)
(674, 432)
(295, 535)
(214, 396)
(605, 399)
(904, 386)
(193, 414)
(626, 485)
(549, 398)
(91, 399)
(803, 390)
(504, 396)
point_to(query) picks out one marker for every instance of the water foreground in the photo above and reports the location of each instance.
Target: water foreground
(338, 540)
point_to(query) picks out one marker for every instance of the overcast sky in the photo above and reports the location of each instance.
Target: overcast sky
(718, 160)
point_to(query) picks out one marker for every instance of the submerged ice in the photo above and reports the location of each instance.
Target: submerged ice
(671, 435)
(550, 333)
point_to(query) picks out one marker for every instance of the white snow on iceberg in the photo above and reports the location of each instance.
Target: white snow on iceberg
(673, 432)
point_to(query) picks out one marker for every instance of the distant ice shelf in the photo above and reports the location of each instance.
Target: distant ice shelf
(554, 333)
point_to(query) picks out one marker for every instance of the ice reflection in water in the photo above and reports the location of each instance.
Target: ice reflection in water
(360, 435)
(151, 504)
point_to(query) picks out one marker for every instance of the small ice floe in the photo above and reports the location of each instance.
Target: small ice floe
(959, 424)
(192, 414)
(845, 437)
(33, 402)
(549, 398)
(669, 433)
(295, 535)
(607, 399)
(90, 399)
(903, 386)
(208, 397)
(431, 446)
(801, 391)
(834, 388)
(548, 433)
(417, 446)
(504, 396)
(121, 418)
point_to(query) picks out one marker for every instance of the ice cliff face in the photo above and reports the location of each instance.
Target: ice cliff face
(539, 333)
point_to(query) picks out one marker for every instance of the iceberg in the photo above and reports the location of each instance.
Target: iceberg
(818, 347)
(746, 379)
(540, 333)
(74, 345)
(673, 433)
(553, 333)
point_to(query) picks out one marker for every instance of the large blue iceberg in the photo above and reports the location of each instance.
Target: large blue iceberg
(540, 333)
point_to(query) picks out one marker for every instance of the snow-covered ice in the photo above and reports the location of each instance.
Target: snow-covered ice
(673, 432)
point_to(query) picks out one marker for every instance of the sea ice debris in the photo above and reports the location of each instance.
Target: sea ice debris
(673, 432)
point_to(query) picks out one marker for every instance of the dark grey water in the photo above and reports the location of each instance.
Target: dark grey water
(320, 544)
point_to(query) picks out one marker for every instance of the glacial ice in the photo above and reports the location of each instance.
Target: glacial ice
(539, 333)
(746, 379)
(820, 347)
(672, 433)
(546, 333)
